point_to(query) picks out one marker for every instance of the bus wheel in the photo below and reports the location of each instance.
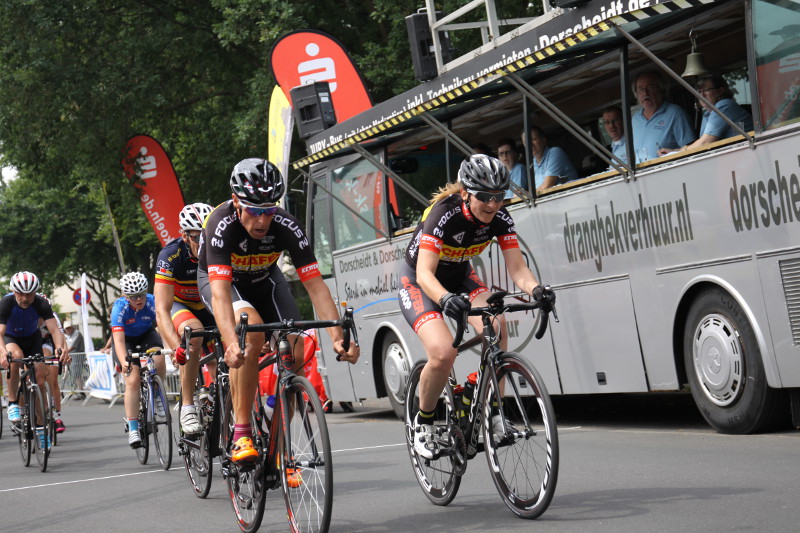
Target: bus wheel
(724, 366)
(396, 367)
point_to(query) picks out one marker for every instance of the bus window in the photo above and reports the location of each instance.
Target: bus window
(777, 47)
(426, 171)
(321, 228)
(359, 185)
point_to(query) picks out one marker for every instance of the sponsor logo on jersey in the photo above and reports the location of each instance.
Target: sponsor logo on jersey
(289, 224)
(458, 237)
(219, 271)
(243, 245)
(414, 293)
(456, 254)
(508, 241)
(253, 262)
(307, 272)
(429, 242)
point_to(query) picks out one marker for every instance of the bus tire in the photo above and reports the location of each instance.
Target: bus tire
(395, 366)
(724, 366)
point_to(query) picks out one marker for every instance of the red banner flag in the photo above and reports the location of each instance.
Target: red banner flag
(307, 56)
(159, 191)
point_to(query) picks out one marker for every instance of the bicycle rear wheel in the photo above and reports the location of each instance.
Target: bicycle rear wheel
(196, 451)
(143, 452)
(524, 461)
(38, 414)
(162, 424)
(306, 463)
(246, 486)
(438, 478)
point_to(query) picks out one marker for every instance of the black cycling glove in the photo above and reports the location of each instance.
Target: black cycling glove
(545, 293)
(454, 305)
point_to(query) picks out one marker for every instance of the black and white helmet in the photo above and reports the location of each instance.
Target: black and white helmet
(24, 282)
(133, 283)
(483, 173)
(193, 215)
(257, 182)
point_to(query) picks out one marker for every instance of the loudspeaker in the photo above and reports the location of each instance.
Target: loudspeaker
(312, 108)
(421, 40)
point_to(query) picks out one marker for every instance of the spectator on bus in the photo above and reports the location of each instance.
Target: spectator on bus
(612, 122)
(508, 154)
(550, 163)
(715, 89)
(659, 124)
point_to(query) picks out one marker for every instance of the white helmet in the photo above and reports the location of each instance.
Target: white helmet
(133, 283)
(192, 216)
(24, 282)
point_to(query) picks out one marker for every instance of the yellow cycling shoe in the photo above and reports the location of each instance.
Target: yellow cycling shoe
(293, 478)
(243, 451)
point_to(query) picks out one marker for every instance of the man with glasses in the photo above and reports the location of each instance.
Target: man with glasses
(437, 278)
(178, 305)
(508, 154)
(715, 89)
(133, 321)
(659, 124)
(238, 272)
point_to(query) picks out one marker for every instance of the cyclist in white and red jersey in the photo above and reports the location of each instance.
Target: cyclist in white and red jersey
(238, 272)
(178, 305)
(438, 277)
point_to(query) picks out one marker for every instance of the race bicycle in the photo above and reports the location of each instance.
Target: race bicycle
(510, 410)
(34, 429)
(154, 415)
(293, 445)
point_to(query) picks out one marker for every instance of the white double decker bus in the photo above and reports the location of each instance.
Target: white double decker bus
(681, 271)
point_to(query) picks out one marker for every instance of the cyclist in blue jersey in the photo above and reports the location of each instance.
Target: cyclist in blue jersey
(133, 321)
(178, 305)
(19, 333)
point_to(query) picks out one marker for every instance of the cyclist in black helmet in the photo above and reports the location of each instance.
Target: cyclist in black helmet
(238, 272)
(438, 278)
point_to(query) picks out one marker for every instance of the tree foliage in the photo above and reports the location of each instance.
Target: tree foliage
(78, 78)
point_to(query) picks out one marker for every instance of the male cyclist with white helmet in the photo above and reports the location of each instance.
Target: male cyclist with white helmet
(19, 333)
(438, 278)
(178, 305)
(238, 272)
(133, 321)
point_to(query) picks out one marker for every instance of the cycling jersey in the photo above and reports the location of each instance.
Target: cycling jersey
(228, 252)
(177, 267)
(21, 322)
(133, 323)
(450, 230)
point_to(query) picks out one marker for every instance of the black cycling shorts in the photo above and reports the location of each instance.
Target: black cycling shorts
(149, 339)
(30, 345)
(415, 305)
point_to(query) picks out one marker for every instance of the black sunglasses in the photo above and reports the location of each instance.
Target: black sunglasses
(487, 197)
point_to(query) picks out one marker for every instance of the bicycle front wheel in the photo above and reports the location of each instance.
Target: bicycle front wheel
(143, 452)
(24, 432)
(196, 452)
(438, 478)
(162, 423)
(37, 413)
(246, 484)
(521, 439)
(51, 431)
(2, 416)
(306, 462)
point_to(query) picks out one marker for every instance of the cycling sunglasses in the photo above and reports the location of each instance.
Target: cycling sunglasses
(194, 236)
(487, 197)
(137, 296)
(258, 211)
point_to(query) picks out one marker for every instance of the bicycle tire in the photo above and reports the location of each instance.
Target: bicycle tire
(52, 421)
(143, 452)
(246, 485)
(24, 432)
(2, 416)
(523, 463)
(162, 425)
(36, 404)
(196, 452)
(438, 478)
(306, 461)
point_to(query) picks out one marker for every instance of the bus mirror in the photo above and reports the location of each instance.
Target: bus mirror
(404, 165)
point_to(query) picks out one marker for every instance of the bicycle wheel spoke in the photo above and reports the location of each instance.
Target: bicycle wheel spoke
(196, 453)
(523, 462)
(162, 423)
(438, 478)
(306, 469)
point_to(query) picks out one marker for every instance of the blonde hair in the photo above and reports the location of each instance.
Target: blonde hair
(444, 192)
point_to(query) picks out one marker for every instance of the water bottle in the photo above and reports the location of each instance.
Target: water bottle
(469, 390)
(269, 407)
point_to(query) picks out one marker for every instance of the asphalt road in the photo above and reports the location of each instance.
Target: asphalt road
(628, 464)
